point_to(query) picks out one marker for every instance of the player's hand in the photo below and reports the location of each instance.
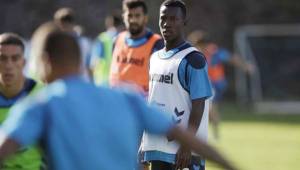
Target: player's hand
(183, 158)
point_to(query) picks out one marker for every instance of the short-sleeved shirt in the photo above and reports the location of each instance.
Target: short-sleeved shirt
(193, 76)
(221, 56)
(81, 126)
(29, 155)
(28, 87)
(217, 73)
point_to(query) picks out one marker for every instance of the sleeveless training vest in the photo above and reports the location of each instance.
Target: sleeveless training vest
(102, 68)
(131, 64)
(31, 156)
(166, 92)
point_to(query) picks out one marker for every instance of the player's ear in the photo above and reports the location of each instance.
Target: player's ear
(123, 17)
(185, 21)
(146, 19)
(23, 61)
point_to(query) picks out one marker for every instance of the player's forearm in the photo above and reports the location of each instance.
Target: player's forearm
(194, 123)
(187, 139)
(238, 62)
(196, 115)
(7, 147)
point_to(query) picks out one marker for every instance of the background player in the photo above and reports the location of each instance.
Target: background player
(216, 58)
(13, 87)
(103, 46)
(133, 47)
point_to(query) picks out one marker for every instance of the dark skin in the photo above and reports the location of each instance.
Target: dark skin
(187, 139)
(171, 23)
(184, 156)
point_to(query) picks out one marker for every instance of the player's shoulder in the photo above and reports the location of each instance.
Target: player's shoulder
(157, 36)
(158, 45)
(121, 35)
(195, 59)
(154, 36)
(53, 90)
(29, 84)
(126, 98)
(34, 101)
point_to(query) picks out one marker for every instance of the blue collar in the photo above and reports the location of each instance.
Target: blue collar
(29, 84)
(139, 41)
(168, 54)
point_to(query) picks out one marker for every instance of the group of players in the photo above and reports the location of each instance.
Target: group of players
(78, 125)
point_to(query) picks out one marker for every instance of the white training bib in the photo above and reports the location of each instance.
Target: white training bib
(166, 93)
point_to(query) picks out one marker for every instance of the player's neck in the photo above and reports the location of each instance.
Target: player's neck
(10, 91)
(173, 44)
(141, 34)
(64, 72)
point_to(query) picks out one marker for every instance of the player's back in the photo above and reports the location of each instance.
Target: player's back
(89, 127)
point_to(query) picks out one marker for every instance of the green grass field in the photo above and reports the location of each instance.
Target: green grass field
(259, 141)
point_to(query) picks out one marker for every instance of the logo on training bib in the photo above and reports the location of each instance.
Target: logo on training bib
(130, 60)
(162, 78)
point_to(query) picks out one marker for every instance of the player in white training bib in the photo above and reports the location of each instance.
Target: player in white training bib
(179, 85)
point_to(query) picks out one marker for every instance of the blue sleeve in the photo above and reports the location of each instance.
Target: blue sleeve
(152, 120)
(88, 59)
(159, 44)
(97, 50)
(223, 55)
(97, 53)
(25, 123)
(193, 76)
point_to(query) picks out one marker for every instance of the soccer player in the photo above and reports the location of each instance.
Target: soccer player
(14, 86)
(78, 125)
(217, 57)
(103, 46)
(133, 47)
(66, 21)
(179, 85)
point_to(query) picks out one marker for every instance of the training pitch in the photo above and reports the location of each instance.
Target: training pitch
(259, 142)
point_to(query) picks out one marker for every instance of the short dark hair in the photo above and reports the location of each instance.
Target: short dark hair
(116, 18)
(130, 4)
(199, 37)
(61, 47)
(176, 3)
(12, 39)
(65, 15)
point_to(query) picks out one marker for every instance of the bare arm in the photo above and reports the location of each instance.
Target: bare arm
(188, 140)
(196, 114)
(238, 62)
(183, 156)
(7, 146)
